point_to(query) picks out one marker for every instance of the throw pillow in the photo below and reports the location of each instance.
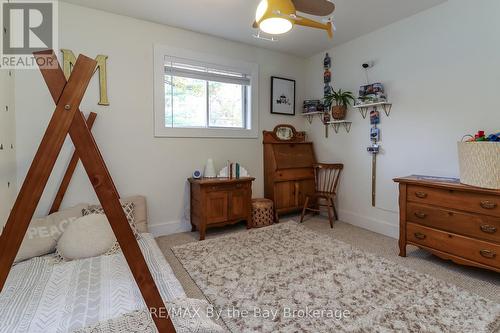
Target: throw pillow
(128, 209)
(43, 233)
(89, 236)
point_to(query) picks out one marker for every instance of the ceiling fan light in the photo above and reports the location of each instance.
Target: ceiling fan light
(275, 25)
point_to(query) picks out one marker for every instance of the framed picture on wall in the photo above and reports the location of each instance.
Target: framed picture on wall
(282, 96)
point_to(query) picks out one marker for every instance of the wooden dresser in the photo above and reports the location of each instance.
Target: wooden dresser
(453, 221)
(220, 201)
(288, 168)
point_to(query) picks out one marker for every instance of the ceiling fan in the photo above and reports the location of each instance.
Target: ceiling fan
(279, 16)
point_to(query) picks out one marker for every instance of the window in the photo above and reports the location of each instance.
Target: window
(202, 98)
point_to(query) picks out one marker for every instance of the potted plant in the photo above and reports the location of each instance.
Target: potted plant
(342, 100)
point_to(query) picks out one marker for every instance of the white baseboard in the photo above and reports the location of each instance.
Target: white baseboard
(375, 225)
(168, 228)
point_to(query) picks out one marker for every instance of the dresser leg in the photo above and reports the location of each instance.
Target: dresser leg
(202, 232)
(402, 249)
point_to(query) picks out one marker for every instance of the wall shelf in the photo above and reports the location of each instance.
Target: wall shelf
(363, 108)
(310, 115)
(337, 123)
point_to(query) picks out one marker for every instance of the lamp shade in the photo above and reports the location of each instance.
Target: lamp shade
(274, 16)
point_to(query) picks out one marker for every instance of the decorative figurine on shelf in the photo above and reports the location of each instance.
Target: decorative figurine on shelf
(371, 93)
(312, 105)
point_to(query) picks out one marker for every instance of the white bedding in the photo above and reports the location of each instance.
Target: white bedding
(40, 296)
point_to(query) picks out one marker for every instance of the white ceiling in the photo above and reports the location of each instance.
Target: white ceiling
(232, 19)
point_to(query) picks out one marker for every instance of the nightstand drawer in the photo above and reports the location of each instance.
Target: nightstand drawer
(464, 201)
(473, 225)
(479, 251)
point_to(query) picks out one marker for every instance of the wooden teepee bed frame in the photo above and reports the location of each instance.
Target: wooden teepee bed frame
(67, 118)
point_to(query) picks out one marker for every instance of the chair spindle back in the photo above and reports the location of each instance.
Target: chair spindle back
(327, 177)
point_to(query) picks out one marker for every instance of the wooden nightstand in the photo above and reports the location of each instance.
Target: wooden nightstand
(217, 202)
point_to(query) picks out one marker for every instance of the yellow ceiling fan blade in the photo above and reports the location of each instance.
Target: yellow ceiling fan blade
(314, 24)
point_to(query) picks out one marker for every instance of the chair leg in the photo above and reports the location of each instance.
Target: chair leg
(306, 204)
(329, 214)
(334, 210)
(317, 207)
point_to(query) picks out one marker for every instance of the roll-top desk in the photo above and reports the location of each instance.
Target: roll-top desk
(288, 168)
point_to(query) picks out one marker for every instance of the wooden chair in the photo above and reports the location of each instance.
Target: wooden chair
(326, 179)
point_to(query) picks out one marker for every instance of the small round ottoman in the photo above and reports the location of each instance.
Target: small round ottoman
(262, 213)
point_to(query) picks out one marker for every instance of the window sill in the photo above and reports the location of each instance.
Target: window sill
(219, 133)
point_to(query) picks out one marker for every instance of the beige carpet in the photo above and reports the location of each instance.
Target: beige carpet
(478, 281)
(289, 278)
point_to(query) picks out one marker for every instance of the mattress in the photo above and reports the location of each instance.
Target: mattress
(43, 296)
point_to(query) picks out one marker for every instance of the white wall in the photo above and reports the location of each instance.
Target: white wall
(7, 145)
(138, 162)
(441, 70)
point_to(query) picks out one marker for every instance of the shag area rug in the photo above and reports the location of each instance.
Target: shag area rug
(286, 278)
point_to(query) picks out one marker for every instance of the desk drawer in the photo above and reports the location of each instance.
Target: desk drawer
(476, 250)
(465, 201)
(473, 225)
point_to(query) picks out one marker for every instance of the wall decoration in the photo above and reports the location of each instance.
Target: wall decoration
(375, 134)
(69, 60)
(282, 96)
(321, 109)
(327, 76)
(374, 117)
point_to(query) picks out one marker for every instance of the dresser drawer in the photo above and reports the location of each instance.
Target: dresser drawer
(472, 249)
(473, 225)
(465, 201)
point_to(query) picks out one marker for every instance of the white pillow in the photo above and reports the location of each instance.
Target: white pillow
(43, 233)
(86, 237)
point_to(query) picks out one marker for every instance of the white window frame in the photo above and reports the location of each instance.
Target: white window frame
(252, 120)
